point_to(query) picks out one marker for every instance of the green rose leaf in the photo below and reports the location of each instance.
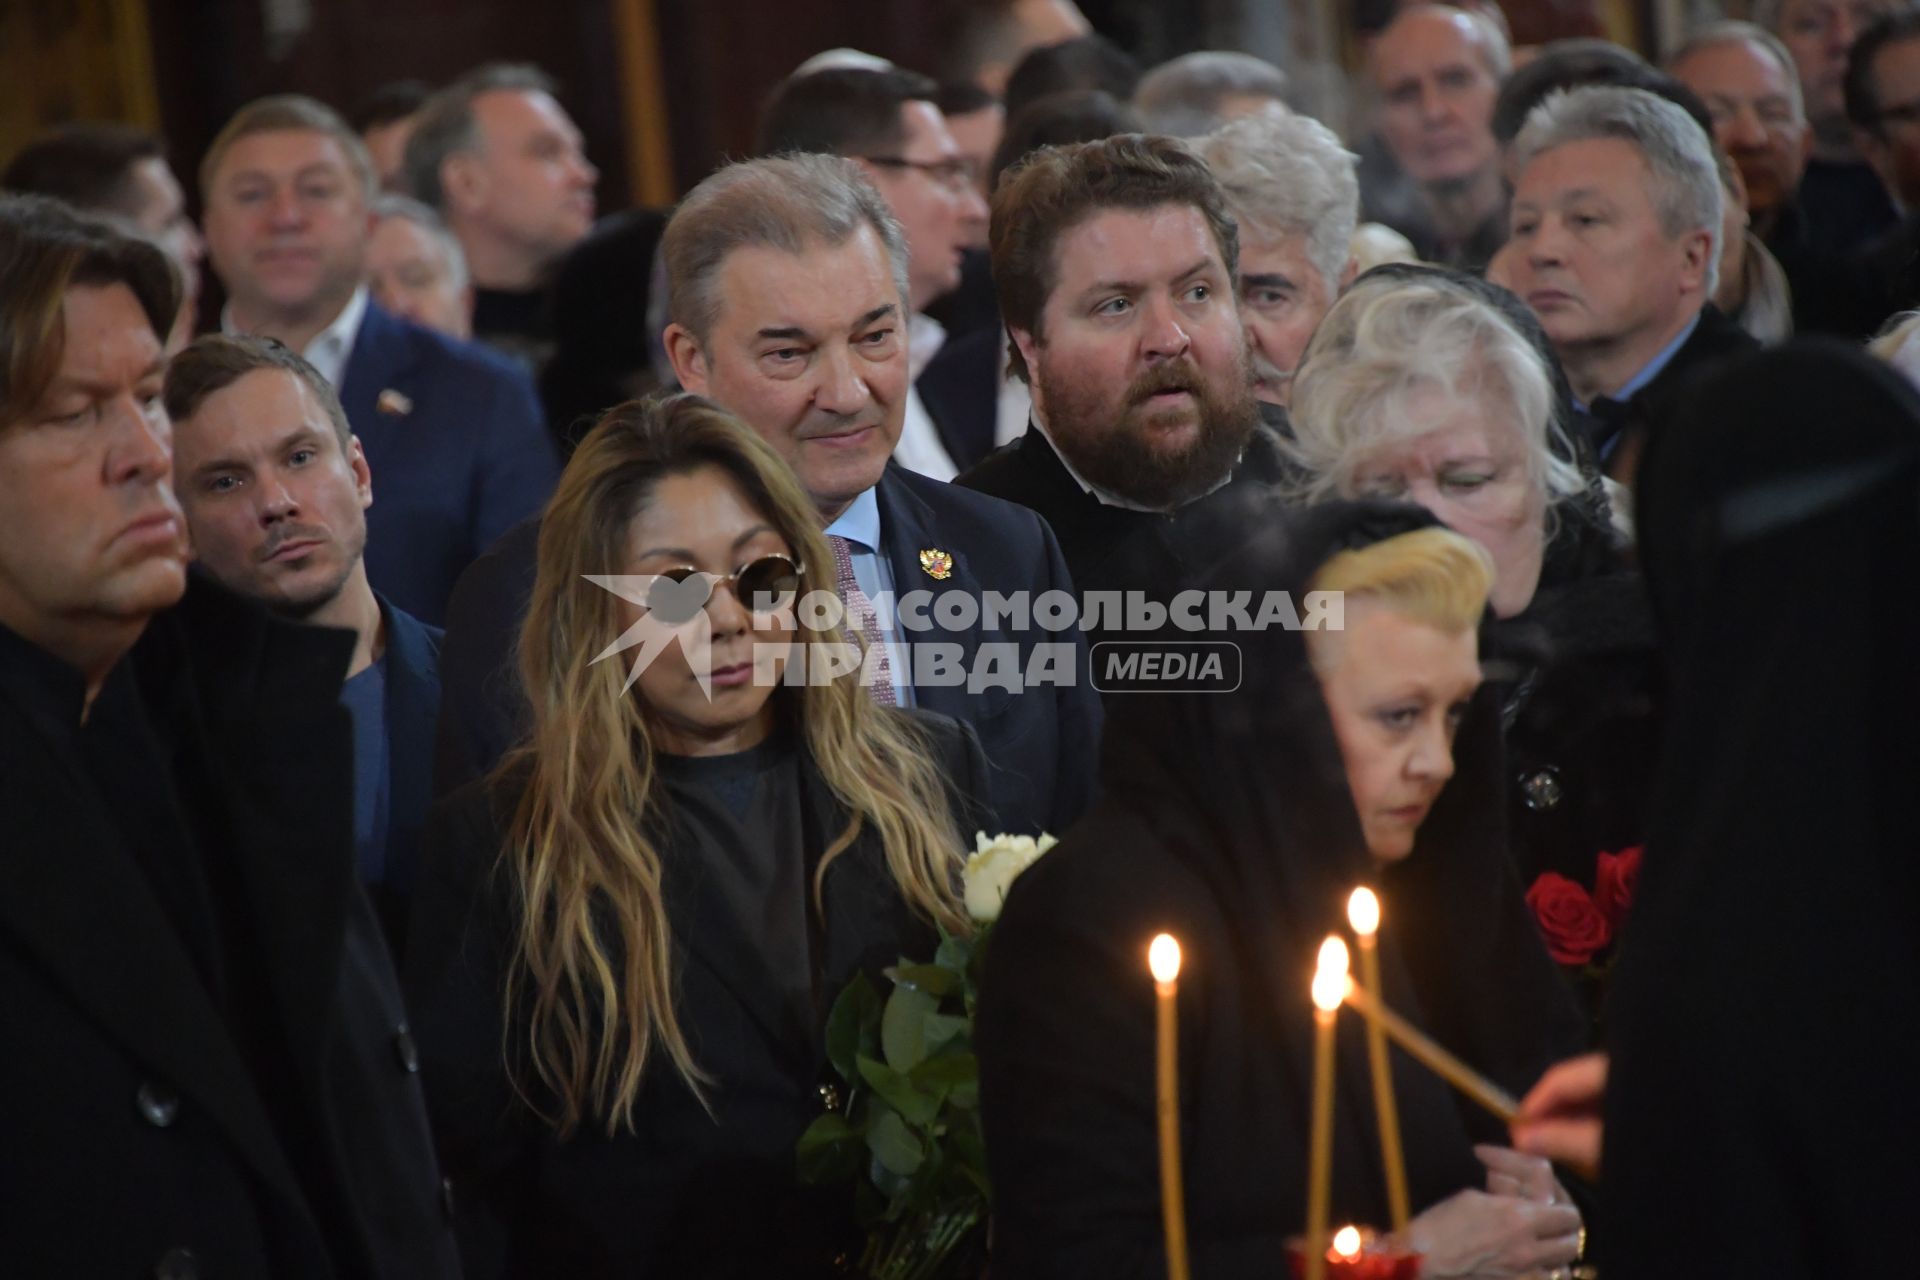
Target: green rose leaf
(829, 1151)
(853, 1026)
(903, 1027)
(942, 1029)
(946, 1071)
(899, 1091)
(930, 978)
(895, 1146)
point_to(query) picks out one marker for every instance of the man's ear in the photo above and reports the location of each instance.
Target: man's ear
(689, 361)
(362, 474)
(1699, 247)
(1029, 349)
(1347, 274)
(463, 182)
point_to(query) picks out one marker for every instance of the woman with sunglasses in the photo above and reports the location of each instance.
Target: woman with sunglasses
(626, 942)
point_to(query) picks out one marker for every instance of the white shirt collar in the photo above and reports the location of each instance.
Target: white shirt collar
(331, 347)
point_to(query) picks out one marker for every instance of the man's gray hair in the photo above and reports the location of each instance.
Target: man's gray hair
(1684, 182)
(1715, 34)
(792, 203)
(1182, 97)
(423, 217)
(445, 124)
(1287, 175)
(1390, 340)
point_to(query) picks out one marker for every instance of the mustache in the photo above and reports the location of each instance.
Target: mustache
(1182, 375)
(286, 533)
(1265, 370)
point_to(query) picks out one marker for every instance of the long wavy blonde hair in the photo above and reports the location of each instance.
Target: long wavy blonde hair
(591, 984)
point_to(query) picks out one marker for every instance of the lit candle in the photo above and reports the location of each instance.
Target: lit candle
(1163, 958)
(1363, 912)
(1329, 988)
(1435, 1059)
(1346, 1244)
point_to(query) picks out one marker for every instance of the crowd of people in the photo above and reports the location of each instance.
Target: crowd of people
(471, 702)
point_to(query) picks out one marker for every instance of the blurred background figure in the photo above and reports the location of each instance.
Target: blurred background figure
(1436, 70)
(385, 123)
(416, 268)
(121, 173)
(1196, 93)
(503, 163)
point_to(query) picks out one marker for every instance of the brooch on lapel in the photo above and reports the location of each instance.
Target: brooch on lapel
(393, 402)
(937, 563)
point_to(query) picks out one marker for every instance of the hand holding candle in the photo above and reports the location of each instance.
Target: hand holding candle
(1330, 985)
(1163, 959)
(1363, 913)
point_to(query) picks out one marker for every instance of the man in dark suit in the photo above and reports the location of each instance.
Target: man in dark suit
(788, 291)
(1616, 237)
(454, 431)
(275, 488)
(208, 1068)
(1116, 262)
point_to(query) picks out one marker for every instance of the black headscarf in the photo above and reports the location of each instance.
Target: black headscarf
(1765, 1094)
(1249, 792)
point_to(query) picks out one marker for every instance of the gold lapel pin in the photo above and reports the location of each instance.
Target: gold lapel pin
(937, 563)
(394, 402)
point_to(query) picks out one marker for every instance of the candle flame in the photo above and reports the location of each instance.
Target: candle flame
(1163, 958)
(1363, 912)
(1346, 1243)
(1330, 982)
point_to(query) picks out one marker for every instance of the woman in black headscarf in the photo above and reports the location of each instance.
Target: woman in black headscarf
(1229, 821)
(1765, 1092)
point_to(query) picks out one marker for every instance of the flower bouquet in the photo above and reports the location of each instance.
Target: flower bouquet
(907, 1133)
(1581, 928)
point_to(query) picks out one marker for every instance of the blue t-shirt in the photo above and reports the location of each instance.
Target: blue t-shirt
(365, 698)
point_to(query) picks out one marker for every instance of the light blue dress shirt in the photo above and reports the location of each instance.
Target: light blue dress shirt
(859, 524)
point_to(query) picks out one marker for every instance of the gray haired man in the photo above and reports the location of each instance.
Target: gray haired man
(1291, 187)
(1616, 231)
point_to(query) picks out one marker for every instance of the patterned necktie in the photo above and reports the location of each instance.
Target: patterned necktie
(863, 628)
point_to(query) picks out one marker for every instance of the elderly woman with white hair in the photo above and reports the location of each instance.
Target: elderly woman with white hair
(1429, 385)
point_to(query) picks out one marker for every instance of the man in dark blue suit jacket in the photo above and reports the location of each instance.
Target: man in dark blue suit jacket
(787, 286)
(275, 490)
(456, 435)
(454, 431)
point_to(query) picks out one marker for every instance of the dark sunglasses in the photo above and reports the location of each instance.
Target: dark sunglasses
(765, 585)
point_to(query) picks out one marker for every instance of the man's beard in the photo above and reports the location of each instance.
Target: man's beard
(1111, 441)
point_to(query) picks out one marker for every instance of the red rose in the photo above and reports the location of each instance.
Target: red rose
(1613, 884)
(1569, 920)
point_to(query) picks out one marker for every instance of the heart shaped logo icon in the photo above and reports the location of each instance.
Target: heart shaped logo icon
(674, 603)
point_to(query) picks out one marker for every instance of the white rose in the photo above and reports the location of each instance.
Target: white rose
(992, 867)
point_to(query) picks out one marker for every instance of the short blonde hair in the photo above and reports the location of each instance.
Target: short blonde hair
(1390, 338)
(1433, 576)
(290, 113)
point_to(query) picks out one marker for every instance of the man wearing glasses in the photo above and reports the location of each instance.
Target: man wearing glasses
(886, 120)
